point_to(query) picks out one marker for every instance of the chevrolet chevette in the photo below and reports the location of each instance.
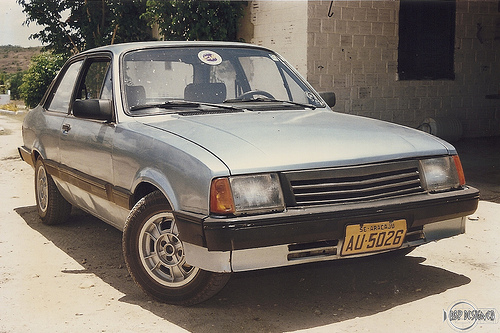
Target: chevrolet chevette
(218, 157)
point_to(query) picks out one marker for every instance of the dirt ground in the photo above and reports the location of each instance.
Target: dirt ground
(72, 278)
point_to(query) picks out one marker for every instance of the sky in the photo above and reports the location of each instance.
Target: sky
(12, 30)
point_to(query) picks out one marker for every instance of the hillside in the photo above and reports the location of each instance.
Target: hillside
(16, 58)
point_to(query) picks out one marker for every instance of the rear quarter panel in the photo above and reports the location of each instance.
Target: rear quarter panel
(41, 130)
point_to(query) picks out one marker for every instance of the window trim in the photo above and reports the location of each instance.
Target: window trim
(51, 92)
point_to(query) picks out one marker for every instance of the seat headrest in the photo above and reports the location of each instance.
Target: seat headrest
(136, 95)
(205, 92)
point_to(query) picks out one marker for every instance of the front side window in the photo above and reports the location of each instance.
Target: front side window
(61, 95)
(209, 75)
(96, 83)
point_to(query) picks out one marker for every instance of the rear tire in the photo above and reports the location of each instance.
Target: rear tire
(51, 205)
(155, 258)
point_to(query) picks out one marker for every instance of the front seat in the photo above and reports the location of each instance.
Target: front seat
(136, 95)
(205, 92)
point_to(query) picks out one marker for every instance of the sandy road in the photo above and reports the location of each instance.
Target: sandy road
(72, 278)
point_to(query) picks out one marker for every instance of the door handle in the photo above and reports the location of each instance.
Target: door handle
(66, 128)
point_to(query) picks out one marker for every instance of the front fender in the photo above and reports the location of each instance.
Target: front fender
(159, 180)
(180, 169)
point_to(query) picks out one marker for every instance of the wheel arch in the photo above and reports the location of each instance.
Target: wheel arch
(35, 154)
(37, 151)
(144, 188)
(150, 180)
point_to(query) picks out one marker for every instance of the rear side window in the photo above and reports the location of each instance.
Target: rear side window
(61, 94)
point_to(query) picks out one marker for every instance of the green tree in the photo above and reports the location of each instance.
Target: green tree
(15, 81)
(72, 26)
(42, 70)
(195, 20)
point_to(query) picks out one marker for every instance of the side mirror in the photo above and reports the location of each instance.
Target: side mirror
(98, 109)
(329, 98)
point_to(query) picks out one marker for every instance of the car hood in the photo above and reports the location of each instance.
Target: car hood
(249, 142)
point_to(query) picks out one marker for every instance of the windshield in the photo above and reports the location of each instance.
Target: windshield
(211, 76)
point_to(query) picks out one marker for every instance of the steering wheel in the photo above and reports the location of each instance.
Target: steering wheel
(247, 96)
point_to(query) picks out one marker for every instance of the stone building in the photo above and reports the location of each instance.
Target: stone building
(402, 61)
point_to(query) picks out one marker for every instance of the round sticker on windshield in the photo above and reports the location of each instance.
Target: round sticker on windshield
(210, 57)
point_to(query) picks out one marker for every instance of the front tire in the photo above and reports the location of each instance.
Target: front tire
(155, 257)
(51, 205)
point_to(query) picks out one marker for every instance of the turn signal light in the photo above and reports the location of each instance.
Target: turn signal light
(460, 170)
(221, 198)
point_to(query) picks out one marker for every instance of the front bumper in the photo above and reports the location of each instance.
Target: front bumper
(321, 223)
(291, 254)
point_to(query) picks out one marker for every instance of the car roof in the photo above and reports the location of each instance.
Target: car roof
(125, 47)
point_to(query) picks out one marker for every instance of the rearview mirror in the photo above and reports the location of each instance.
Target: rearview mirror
(98, 109)
(329, 98)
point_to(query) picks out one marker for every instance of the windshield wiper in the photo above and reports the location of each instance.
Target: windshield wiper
(221, 106)
(183, 104)
(166, 105)
(266, 99)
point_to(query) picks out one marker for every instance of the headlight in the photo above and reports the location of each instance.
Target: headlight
(246, 194)
(442, 173)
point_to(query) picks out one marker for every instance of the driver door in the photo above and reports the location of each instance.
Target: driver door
(86, 144)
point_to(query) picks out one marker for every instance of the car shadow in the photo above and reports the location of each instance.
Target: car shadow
(271, 300)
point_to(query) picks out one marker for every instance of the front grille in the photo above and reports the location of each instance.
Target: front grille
(352, 184)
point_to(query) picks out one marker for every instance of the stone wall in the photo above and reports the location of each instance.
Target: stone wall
(352, 49)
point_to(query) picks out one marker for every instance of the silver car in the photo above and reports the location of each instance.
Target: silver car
(217, 157)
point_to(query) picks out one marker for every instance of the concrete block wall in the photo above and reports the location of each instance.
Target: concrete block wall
(281, 26)
(359, 62)
(477, 67)
(352, 49)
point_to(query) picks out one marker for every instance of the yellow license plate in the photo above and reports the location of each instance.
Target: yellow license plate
(371, 237)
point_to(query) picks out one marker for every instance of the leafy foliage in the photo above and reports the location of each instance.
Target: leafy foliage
(40, 74)
(11, 82)
(195, 20)
(72, 26)
(15, 80)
